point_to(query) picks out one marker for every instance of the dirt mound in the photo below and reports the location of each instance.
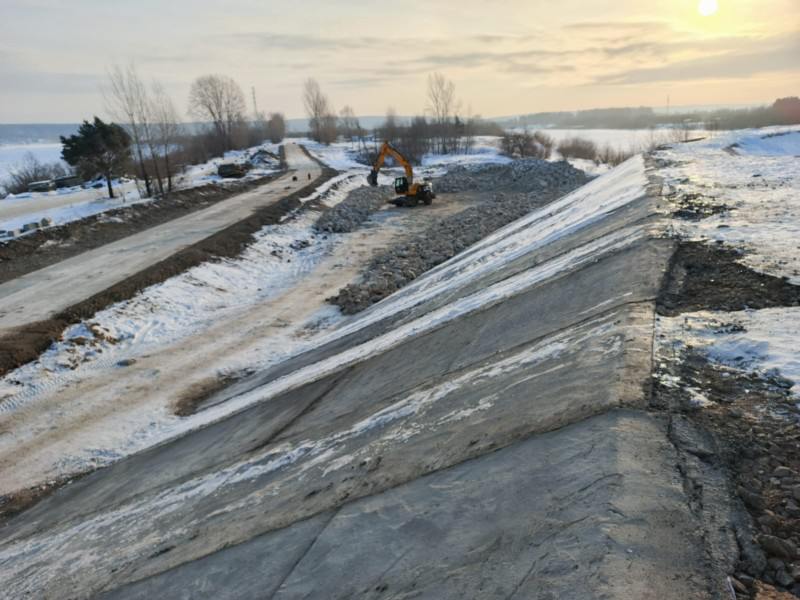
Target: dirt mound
(396, 267)
(354, 210)
(527, 175)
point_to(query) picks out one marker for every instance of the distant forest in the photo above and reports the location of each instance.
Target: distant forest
(785, 111)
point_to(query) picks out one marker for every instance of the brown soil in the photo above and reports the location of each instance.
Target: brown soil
(201, 391)
(753, 419)
(706, 277)
(28, 343)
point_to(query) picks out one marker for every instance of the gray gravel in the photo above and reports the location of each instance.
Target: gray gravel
(525, 175)
(394, 268)
(510, 192)
(349, 214)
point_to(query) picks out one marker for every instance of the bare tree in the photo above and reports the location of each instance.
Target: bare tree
(127, 102)
(330, 128)
(218, 99)
(390, 129)
(321, 119)
(348, 123)
(442, 105)
(166, 128)
(29, 170)
(276, 128)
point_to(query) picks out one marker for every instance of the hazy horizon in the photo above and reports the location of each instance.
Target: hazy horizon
(526, 58)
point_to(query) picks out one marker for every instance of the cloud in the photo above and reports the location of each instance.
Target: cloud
(754, 57)
(622, 26)
(33, 82)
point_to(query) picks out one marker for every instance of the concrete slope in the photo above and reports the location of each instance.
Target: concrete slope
(39, 295)
(479, 434)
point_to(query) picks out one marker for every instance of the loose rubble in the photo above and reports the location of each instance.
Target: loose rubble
(510, 191)
(354, 210)
(397, 266)
(525, 175)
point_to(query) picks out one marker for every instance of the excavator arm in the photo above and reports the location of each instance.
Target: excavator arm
(388, 150)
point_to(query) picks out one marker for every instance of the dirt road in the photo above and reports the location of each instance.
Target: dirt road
(41, 294)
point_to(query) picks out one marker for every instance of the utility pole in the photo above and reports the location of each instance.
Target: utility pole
(255, 105)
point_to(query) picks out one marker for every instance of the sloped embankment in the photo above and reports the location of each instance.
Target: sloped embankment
(482, 431)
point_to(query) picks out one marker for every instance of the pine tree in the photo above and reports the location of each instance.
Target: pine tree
(98, 147)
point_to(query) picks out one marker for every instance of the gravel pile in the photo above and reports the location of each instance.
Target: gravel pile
(394, 268)
(528, 175)
(354, 210)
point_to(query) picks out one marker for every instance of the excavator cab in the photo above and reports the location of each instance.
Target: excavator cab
(410, 192)
(401, 185)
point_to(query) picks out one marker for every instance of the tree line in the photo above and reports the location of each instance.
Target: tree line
(784, 111)
(445, 128)
(147, 137)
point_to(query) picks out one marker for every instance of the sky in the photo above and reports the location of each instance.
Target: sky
(506, 57)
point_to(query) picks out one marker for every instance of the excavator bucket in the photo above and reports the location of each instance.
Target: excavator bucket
(372, 178)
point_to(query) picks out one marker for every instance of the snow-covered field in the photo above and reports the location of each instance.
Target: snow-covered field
(754, 177)
(12, 155)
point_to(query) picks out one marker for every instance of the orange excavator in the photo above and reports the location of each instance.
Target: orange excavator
(410, 193)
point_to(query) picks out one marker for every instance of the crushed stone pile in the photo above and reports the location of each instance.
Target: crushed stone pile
(526, 175)
(353, 210)
(396, 267)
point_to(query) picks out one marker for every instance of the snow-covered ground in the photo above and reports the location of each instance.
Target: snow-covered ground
(214, 299)
(66, 205)
(757, 185)
(75, 203)
(753, 176)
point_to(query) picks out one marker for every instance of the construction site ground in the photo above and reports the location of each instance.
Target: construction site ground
(592, 400)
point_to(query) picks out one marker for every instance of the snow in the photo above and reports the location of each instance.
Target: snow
(759, 188)
(204, 173)
(755, 341)
(486, 150)
(340, 155)
(67, 205)
(214, 294)
(777, 144)
(755, 175)
(75, 203)
(635, 140)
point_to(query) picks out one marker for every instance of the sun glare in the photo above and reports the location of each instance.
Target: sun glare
(707, 7)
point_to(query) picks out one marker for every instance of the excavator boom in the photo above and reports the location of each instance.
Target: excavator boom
(403, 185)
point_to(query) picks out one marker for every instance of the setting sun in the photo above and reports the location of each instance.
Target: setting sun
(707, 7)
